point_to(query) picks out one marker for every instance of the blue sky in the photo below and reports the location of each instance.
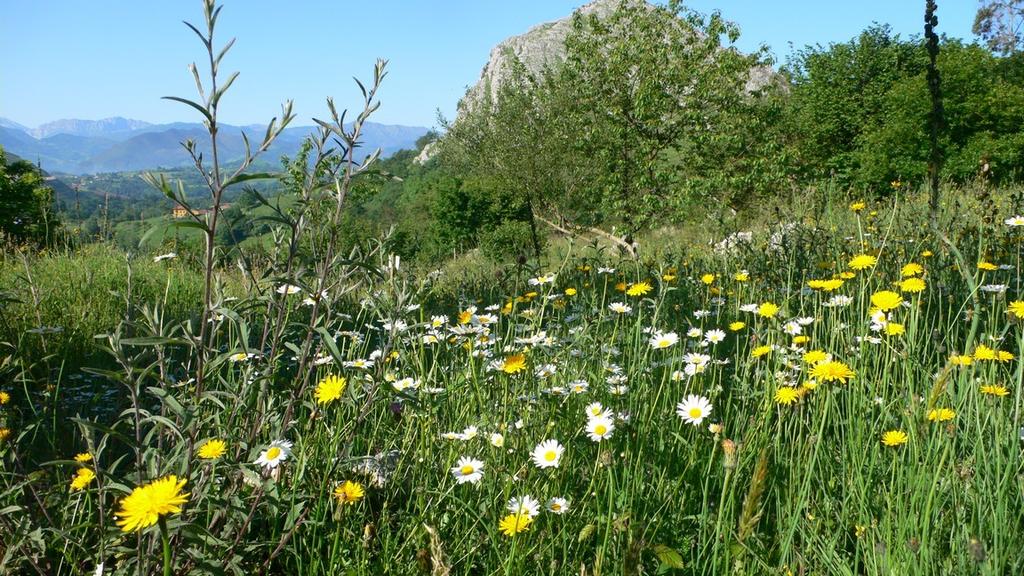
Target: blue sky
(92, 59)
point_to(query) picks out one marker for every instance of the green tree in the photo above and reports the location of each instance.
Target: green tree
(647, 108)
(838, 94)
(26, 204)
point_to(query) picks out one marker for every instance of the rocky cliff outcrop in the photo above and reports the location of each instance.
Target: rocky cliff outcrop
(538, 47)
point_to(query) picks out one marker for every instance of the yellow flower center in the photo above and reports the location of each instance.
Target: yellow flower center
(273, 453)
(695, 412)
(550, 455)
(600, 429)
(466, 470)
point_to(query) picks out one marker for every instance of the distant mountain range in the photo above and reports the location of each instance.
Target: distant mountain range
(122, 144)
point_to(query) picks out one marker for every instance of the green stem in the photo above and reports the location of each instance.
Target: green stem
(167, 546)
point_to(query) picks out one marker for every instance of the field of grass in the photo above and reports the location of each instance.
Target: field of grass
(839, 394)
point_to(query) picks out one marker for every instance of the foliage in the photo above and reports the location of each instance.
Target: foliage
(859, 112)
(508, 241)
(26, 204)
(633, 125)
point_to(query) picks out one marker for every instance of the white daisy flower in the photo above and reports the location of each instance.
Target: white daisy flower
(661, 341)
(694, 369)
(276, 452)
(838, 301)
(694, 409)
(600, 428)
(595, 409)
(468, 470)
(696, 358)
(1014, 221)
(548, 454)
(524, 505)
(497, 440)
(694, 333)
(792, 328)
(541, 280)
(714, 336)
(288, 289)
(558, 505)
(578, 386)
(162, 257)
(620, 308)
(405, 384)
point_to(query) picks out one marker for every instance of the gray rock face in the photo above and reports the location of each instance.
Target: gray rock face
(538, 47)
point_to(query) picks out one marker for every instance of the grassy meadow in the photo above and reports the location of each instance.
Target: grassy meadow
(839, 393)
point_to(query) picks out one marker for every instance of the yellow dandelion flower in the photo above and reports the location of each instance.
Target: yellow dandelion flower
(982, 352)
(894, 329)
(514, 364)
(83, 457)
(987, 266)
(1003, 356)
(1016, 309)
(894, 438)
(911, 269)
(994, 390)
(801, 339)
(741, 277)
(832, 371)
(886, 300)
(927, 254)
(5, 433)
(760, 351)
(212, 449)
(708, 279)
(961, 360)
(814, 356)
(668, 277)
(737, 326)
(862, 262)
(515, 523)
(349, 492)
(638, 289)
(767, 309)
(146, 504)
(847, 275)
(786, 395)
(857, 206)
(826, 285)
(912, 285)
(330, 389)
(941, 415)
(570, 291)
(4, 398)
(83, 476)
